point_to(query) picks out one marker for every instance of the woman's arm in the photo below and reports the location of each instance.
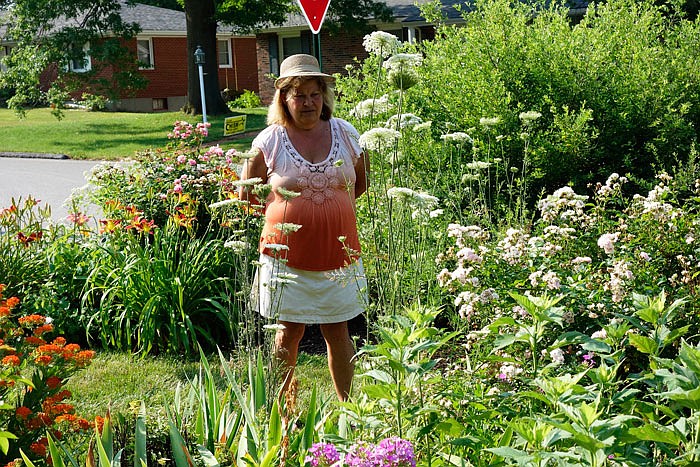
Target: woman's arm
(361, 174)
(253, 168)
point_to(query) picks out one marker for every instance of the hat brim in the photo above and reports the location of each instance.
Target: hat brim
(327, 78)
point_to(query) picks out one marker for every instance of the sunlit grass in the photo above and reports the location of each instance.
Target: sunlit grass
(115, 380)
(107, 135)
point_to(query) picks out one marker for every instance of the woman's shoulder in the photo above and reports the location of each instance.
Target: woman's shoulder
(271, 132)
(346, 126)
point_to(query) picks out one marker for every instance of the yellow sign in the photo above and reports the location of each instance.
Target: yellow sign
(234, 125)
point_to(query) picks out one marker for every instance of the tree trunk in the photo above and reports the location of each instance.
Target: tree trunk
(201, 31)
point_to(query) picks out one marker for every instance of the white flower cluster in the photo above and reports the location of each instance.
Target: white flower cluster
(548, 279)
(406, 120)
(469, 301)
(557, 356)
(464, 234)
(529, 116)
(564, 204)
(370, 107)
(618, 276)
(378, 138)
(399, 62)
(559, 233)
(538, 246)
(487, 122)
(457, 137)
(607, 242)
(654, 204)
(514, 246)
(381, 43)
(613, 185)
(508, 371)
(420, 201)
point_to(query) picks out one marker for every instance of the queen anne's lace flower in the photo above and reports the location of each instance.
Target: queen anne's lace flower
(381, 43)
(378, 138)
(370, 107)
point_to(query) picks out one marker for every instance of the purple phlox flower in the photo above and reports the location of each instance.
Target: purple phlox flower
(360, 455)
(395, 452)
(322, 455)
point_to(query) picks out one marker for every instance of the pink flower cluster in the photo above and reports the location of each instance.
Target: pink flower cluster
(390, 452)
(184, 130)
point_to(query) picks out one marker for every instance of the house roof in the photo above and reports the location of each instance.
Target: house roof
(153, 18)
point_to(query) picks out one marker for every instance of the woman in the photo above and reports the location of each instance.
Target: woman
(310, 270)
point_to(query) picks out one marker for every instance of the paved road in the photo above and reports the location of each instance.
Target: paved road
(49, 180)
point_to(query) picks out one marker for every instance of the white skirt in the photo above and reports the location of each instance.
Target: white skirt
(308, 297)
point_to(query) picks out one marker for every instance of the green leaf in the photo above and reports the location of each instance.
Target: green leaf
(207, 457)
(380, 375)
(270, 457)
(656, 433)
(378, 391)
(5, 437)
(510, 453)
(686, 398)
(644, 344)
(505, 340)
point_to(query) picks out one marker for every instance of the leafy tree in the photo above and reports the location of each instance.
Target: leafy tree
(54, 38)
(46, 41)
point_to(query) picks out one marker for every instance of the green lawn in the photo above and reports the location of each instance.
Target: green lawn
(107, 135)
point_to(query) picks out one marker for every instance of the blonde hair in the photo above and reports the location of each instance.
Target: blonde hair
(278, 113)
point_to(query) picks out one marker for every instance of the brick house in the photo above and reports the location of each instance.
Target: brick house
(162, 43)
(162, 48)
(274, 44)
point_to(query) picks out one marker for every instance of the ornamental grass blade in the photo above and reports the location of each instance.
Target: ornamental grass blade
(140, 435)
(181, 454)
(58, 451)
(309, 425)
(274, 431)
(26, 460)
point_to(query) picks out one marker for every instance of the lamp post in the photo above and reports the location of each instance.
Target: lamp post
(199, 61)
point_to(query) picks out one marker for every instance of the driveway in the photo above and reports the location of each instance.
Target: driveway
(49, 180)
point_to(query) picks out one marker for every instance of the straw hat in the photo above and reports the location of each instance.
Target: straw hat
(302, 65)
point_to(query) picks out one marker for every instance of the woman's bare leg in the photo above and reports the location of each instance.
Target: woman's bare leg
(286, 349)
(340, 357)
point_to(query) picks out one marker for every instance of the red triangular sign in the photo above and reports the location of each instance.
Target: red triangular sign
(315, 12)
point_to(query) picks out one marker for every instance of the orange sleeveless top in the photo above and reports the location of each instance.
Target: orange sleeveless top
(315, 228)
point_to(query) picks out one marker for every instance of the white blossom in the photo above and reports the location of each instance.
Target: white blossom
(381, 43)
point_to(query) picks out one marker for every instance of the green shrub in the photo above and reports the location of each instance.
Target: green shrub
(247, 100)
(93, 102)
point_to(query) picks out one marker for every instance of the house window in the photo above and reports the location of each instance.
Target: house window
(144, 52)
(224, 50)
(79, 61)
(4, 52)
(159, 103)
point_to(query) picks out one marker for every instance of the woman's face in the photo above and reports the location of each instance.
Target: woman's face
(305, 104)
